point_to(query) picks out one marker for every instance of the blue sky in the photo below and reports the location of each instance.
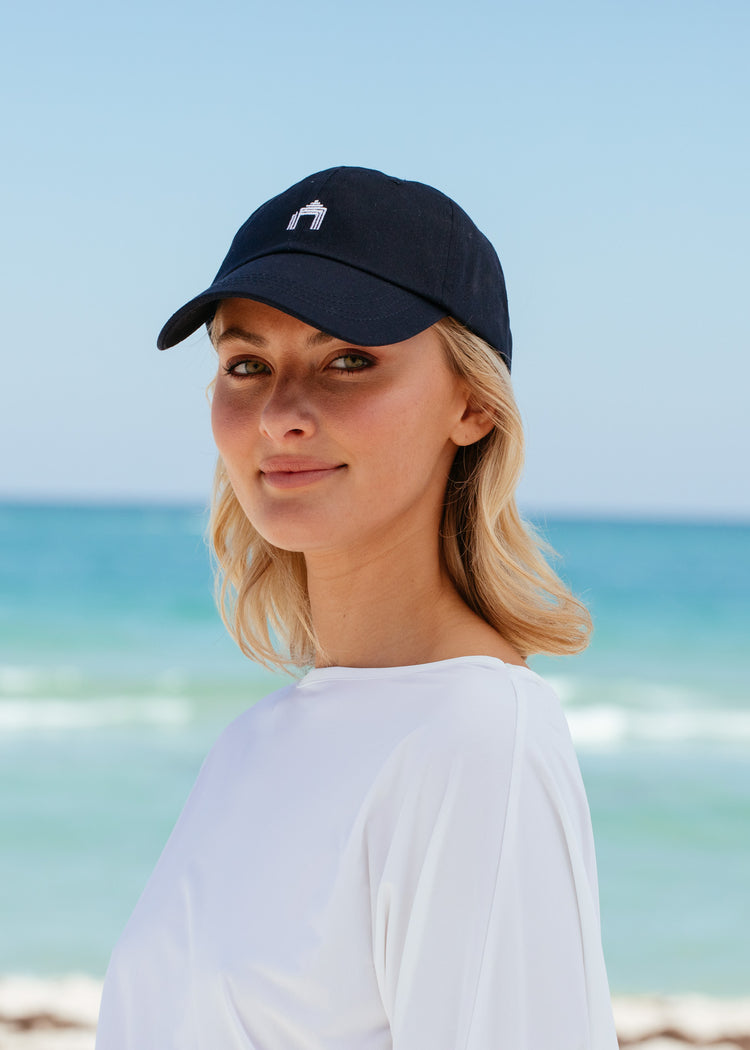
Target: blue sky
(602, 146)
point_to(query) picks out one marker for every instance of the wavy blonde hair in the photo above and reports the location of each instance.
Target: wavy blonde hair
(496, 561)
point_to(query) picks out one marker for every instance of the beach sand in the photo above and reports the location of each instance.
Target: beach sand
(47, 1014)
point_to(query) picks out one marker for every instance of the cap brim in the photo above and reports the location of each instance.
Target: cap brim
(338, 299)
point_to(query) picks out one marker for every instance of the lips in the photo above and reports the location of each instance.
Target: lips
(285, 472)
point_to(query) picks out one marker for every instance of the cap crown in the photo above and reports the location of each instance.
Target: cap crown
(406, 233)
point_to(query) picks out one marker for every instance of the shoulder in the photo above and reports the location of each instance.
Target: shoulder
(472, 701)
(487, 735)
(262, 719)
(484, 702)
(497, 734)
(473, 721)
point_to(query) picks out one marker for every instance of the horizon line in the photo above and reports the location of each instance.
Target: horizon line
(536, 514)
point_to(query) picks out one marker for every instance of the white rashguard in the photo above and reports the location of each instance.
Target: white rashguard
(392, 858)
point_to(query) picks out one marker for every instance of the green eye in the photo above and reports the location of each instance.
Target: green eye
(351, 363)
(246, 368)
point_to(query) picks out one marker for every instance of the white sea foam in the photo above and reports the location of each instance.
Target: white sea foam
(54, 713)
(632, 711)
(630, 693)
(25, 681)
(612, 726)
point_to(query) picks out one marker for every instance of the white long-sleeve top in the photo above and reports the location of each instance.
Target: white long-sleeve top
(375, 859)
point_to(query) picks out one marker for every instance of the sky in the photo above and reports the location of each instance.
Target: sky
(602, 146)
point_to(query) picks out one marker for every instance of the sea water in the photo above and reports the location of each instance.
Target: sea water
(116, 676)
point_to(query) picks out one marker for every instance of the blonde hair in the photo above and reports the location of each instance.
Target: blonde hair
(495, 560)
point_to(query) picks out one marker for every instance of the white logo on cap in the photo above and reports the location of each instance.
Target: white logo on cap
(314, 208)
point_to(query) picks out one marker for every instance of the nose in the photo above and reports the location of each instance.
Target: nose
(287, 411)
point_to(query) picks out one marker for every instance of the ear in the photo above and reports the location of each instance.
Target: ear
(472, 426)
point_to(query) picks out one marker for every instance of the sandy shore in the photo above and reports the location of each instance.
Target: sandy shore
(44, 1014)
(41, 1014)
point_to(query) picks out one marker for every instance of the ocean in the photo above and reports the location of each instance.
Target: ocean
(116, 676)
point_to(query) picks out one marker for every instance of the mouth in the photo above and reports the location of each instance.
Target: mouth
(296, 474)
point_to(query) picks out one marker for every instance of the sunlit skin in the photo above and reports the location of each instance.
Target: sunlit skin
(342, 452)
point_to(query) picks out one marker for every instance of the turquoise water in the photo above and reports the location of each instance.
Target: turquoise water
(116, 676)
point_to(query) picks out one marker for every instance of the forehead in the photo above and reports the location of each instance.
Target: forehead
(234, 317)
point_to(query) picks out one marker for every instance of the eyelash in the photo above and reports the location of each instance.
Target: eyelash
(368, 362)
(229, 370)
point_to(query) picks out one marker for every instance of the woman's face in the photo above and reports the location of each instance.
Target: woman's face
(331, 446)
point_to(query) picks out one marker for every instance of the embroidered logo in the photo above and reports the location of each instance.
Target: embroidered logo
(315, 209)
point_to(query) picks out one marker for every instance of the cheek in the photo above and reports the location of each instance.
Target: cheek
(218, 419)
(229, 425)
(414, 425)
(407, 445)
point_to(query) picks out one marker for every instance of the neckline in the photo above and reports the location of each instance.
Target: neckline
(339, 673)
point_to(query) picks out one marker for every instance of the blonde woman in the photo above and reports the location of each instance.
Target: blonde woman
(394, 852)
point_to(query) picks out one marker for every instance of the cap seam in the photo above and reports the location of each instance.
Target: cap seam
(341, 301)
(449, 254)
(333, 259)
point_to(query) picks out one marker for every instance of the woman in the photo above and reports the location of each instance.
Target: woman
(395, 851)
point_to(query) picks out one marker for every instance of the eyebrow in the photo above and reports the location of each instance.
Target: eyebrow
(243, 335)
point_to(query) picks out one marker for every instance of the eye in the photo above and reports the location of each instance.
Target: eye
(351, 363)
(246, 367)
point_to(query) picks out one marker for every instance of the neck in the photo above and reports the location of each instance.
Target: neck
(392, 607)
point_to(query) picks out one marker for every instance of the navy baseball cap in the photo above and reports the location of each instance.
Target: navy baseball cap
(364, 257)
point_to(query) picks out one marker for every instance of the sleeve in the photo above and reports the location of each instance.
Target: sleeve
(484, 900)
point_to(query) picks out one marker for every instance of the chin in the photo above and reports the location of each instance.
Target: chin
(289, 533)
